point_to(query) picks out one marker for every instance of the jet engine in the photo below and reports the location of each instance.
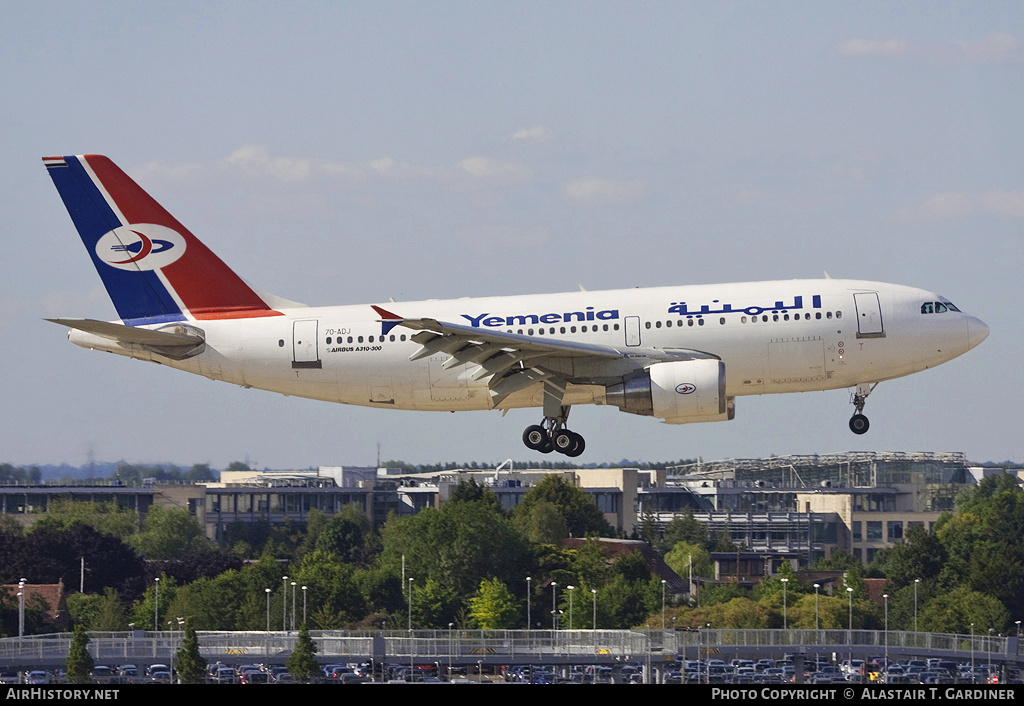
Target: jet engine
(678, 392)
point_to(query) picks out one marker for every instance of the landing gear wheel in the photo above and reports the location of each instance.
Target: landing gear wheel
(578, 448)
(564, 441)
(536, 437)
(859, 424)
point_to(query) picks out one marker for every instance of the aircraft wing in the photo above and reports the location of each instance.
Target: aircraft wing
(514, 361)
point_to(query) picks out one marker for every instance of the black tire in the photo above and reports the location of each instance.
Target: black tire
(859, 424)
(536, 437)
(579, 446)
(564, 441)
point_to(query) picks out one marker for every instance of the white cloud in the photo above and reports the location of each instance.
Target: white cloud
(588, 192)
(256, 161)
(951, 205)
(873, 47)
(536, 135)
(996, 48)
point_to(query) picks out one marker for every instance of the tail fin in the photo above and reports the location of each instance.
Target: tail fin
(154, 269)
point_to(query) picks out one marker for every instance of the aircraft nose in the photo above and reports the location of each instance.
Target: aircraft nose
(977, 331)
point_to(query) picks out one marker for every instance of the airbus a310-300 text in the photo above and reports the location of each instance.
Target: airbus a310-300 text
(679, 354)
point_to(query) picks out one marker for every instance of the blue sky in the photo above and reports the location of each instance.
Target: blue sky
(354, 151)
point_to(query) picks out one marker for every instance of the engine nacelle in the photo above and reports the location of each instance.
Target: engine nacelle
(679, 392)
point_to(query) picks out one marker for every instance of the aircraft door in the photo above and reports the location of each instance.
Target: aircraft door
(305, 349)
(632, 324)
(869, 315)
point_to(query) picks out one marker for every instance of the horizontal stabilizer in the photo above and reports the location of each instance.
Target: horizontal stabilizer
(131, 334)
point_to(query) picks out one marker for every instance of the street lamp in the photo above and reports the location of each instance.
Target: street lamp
(303, 605)
(21, 607)
(785, 621)
(156, 610)
(885, 597)
(594, 624)
(816, 587)
(410, 605)
(554, 606)
(849, 594)
(916, 582)
(529, 600)
(972, 653)
(663, 582)
(284, 606)
(266, 650)
(571, 589)
(293, 605)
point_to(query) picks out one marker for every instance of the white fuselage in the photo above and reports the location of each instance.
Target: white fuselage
(773, 337)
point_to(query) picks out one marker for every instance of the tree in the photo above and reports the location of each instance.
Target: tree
(542, 523)
(493, 607)
(344, 534)
(169, 533)
(189, 663)
(685, 528)
(581, 514)
(302, 664)
(80, 662)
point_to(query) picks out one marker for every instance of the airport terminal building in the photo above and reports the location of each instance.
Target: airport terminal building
(795, 509)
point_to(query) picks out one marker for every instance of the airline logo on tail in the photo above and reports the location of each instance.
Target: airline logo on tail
(140, 246)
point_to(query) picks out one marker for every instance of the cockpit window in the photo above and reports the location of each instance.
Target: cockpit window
(937, 307)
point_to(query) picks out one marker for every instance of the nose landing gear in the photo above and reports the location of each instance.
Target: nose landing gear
(858, 422)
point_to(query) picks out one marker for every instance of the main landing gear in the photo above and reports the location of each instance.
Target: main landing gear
(858, 422)
(551, 435)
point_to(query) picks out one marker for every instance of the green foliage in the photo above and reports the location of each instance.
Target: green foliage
(302, 664)
(190, 665)
(954, 612)
(169, 533)
(685, 528)
(684, 554)
(541, 523)
(344, 534)
(105, 518)
(104, 612)
(456, 546)
(581, 515)
(494, 607)
(80, 662)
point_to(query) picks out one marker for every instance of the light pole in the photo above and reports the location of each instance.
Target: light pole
(303, 605)
(293, 605)
(410, 605)
(593, 591)
(450, 650)
(916, 582)
(554, 606)
(972, 653)
(571, 589)
(816, 626)
(885, 597)
(529, 600)
(663, 582)
(849, 594)
(284, 606)
(266, 643)
(785, 621)
(21, 607)
(156, 609)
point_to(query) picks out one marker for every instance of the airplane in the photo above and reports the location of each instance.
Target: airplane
(679, 354)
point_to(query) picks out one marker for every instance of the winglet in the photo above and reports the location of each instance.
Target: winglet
(387, 320)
